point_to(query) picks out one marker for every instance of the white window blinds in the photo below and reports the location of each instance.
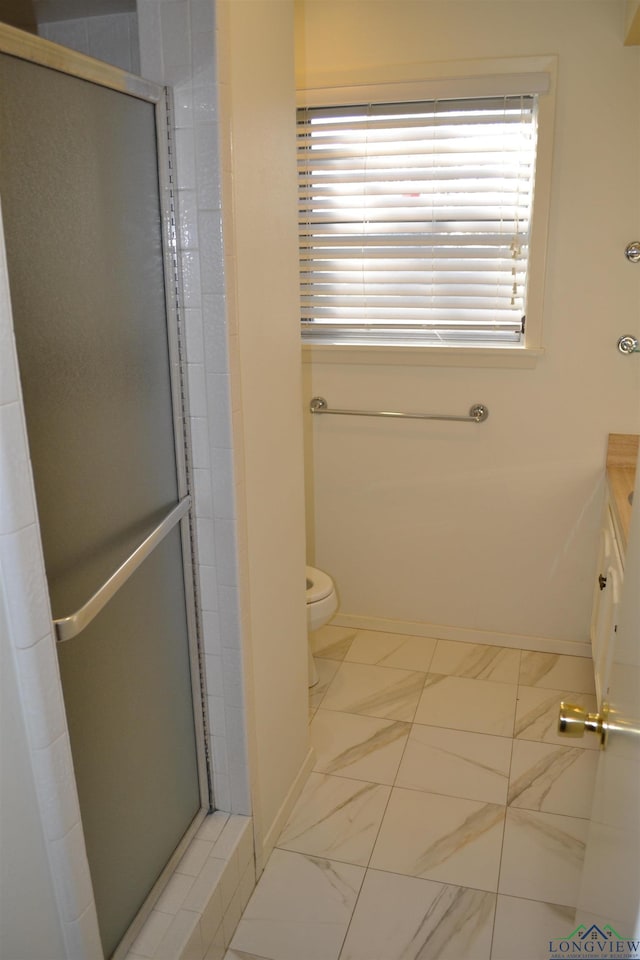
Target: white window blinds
(414, 220)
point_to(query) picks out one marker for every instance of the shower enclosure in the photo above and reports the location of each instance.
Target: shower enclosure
(88, 221)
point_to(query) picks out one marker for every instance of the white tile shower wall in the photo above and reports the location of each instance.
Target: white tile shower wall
(177, 47)
(24, 599)
(113, 38)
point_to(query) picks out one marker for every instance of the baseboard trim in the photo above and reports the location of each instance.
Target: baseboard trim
(274, 831)
(438, 631)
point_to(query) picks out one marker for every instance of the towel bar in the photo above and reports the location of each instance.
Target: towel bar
(477, 414)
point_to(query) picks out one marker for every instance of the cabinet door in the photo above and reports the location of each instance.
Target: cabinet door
(605, 613)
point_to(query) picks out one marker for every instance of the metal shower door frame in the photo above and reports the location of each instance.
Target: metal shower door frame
(41, 52)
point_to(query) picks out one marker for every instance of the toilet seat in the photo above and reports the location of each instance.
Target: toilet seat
(319, 585)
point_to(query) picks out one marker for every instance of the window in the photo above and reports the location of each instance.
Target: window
(415, 220)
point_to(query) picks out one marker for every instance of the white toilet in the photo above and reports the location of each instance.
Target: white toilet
(322, 603)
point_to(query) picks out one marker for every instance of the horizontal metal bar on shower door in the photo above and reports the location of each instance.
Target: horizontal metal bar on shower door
(69, 627)
(477, 413)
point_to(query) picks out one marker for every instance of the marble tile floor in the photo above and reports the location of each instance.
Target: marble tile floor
(444, 817)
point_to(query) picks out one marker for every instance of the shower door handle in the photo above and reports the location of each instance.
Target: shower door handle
(69, 627)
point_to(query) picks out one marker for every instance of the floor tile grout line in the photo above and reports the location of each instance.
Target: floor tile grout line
(506, 808)
(504, 831)
(386, 807)
(393, 787)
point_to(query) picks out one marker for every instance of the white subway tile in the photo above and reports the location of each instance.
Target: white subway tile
(174, 894)
(82, 936)
(212, 826)
(134, 43)
(177, 75)
(194, 949)
(192, 318)
(208, 591)
(218, 396)
(231, 918)
(108, 38)
(204, 57)
(215, 686)
(211, 632)
(182, 940)
(226, 565)
(231, 295)
(70, 33)
(200, 443)
(71, 870)
(217, 949)
(210, 919)
(214, 312)
(42, 694)
(186, 158)
(202, 18)
(187, 220)
(232, 677)
(207, 547)
(205, 100)
(9, 390)
(192, 297)
(216, 712)
(220, 764)
(230, 881)
(195, 857)
(203, 888)
(221, 791)
(224, 507)
(207, 165)
(183, 115)
(56, 786)
(150, 937)
(23, 575)
(229, 615)
(211, 251)
(202, 491)
(150, 39)
(238, 764)
(176, 33)
(17, 503)
(197, 390)
(236, 836)
(240, 789)
(247, 884)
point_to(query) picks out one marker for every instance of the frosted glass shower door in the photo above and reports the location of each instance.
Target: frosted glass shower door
(83, 223)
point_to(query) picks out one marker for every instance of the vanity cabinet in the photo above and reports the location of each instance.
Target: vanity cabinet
(607, 593)
(622, 460)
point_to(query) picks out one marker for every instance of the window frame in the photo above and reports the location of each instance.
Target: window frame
(452, 80)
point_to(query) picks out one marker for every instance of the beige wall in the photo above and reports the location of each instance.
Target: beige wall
(259, 211)
(490, 528)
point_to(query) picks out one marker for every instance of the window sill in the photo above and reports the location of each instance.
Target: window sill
(505, 357)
